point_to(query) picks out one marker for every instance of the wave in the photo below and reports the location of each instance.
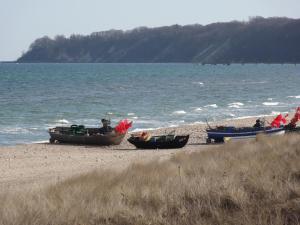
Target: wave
(254, 82)
(235, 104)
(250, 117)
(179, 112)
(273, 113)
(198, 109)
(270, 103)
(212, 105)
(199, 83)
(40, 142)
(142, 129)
(197, 122)
(130, 114)
(145, 121)
(15, 130)
(276, 113)
(296, 96)
(63, 121)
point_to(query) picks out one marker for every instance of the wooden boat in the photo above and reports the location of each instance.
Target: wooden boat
(86, 136)
(220, 134)
(159, 142)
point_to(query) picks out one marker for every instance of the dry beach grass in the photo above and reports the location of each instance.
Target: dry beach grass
(256, 182)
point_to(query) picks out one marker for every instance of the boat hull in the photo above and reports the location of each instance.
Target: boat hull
(292, 130)
(220, 135)
(159, 142)
(111, 138)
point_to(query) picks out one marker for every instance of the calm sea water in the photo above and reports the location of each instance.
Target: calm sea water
(34, 97)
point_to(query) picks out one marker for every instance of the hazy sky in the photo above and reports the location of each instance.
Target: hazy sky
(22, 21)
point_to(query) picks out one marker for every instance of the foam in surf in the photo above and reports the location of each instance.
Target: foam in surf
(63, 121)
(15, 130)
(199, 83)
(294, 96)
(270, 103)
(40, 142)
(235, 104)
(198, 109)
(143, 129)
(179, 112)
(254, 82)
(212, 105)
(197, 122)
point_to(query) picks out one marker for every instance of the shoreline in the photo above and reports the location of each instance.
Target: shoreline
(197, 63)
(36, 165)
(267, 117)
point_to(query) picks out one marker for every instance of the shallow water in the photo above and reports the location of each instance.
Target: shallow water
(34, 97)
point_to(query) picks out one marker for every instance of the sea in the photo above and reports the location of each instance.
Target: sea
(36, 97)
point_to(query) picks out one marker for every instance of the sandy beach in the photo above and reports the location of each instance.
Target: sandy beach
(243, 181)
(34, 165)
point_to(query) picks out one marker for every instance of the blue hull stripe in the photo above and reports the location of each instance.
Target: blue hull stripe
(218, 134)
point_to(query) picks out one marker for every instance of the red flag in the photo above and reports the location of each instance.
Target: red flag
(123, 126)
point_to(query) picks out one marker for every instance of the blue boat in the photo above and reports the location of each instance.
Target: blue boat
(223, 133)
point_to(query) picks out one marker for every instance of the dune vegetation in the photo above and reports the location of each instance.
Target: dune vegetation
(257, 182)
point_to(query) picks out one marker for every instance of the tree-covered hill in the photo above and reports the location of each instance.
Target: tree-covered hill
(259, 40)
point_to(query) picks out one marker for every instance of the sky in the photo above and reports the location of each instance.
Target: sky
(23, 21)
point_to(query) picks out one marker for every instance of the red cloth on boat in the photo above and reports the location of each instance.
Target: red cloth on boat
(278, 121)
(296, 118)
(284, 119)
(123, 126)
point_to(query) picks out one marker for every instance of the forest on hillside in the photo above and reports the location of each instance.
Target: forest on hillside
(259, 40)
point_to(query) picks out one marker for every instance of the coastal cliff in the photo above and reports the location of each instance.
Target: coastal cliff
(259, 40)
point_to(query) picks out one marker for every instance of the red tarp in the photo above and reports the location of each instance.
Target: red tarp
(123, 126)
(296, 117)
(279, 120)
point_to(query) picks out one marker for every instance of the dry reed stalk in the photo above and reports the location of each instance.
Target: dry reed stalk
(256, 182)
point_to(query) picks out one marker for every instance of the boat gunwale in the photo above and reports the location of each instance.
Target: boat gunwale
(272, 130)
